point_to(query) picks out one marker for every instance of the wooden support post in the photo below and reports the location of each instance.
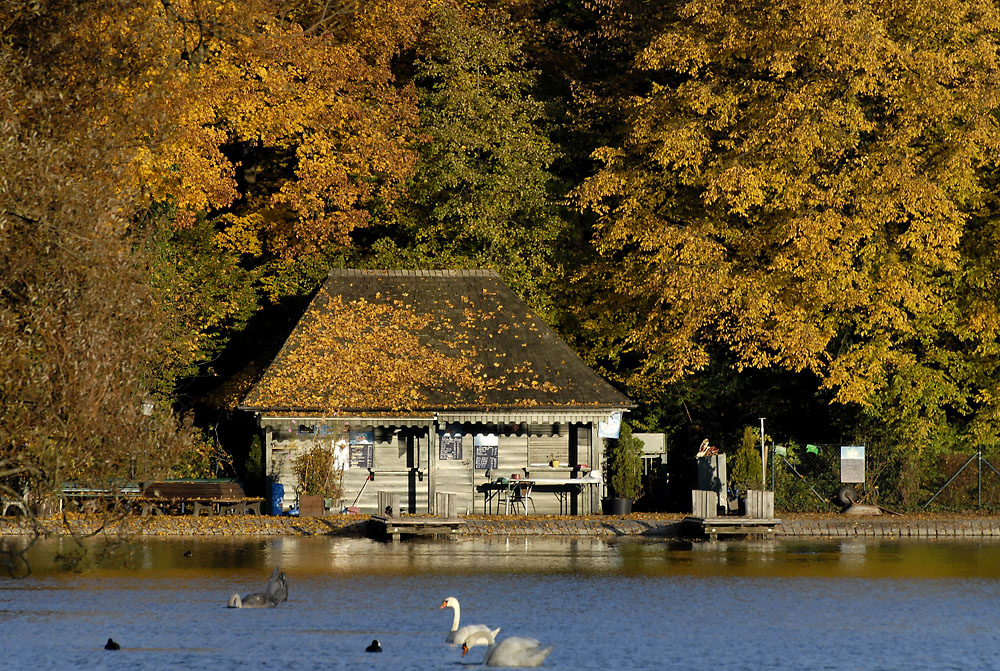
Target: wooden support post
(760, 504)
(704, 503)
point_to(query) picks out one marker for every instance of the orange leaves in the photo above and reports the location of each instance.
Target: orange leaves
(175, 87)
(340, 120)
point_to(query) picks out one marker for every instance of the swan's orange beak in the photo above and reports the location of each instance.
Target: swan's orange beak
(444, 604)
(465, 649)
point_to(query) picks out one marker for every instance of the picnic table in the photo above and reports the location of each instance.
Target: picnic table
(513, 492)
(210, 496)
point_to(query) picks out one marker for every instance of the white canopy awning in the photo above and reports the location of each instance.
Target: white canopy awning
(470, 416)
(529, 416)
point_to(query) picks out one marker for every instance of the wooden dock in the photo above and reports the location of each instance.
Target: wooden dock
(713, 527)
(395, 527)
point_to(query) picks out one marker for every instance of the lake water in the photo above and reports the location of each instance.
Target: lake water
(603, 605)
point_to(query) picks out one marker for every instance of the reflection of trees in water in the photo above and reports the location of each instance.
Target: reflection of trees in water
(318, 559)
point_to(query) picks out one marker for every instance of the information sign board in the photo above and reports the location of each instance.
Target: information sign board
(852, 463)
(362, 449)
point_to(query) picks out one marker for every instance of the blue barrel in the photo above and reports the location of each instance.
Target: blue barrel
(277, 497)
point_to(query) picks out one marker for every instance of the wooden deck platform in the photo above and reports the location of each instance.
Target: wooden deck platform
(395, 527)
(713, 527)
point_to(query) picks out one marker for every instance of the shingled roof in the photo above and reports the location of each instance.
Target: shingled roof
(375, 342)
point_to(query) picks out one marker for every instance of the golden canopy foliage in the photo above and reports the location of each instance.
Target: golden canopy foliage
(809, 184)
(361, 355)
(122, 118)
(279, 123)
(302, 87)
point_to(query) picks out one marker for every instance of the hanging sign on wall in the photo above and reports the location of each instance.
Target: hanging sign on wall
(486, 451)
(450, 446)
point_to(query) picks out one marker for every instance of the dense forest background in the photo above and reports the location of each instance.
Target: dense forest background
(782, 209)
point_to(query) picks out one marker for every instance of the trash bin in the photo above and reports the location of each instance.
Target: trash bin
(277, 497)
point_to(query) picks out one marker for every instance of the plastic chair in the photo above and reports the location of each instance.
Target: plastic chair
(520, 495)
(514, 493)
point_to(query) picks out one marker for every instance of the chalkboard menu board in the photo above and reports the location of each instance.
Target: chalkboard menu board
(362, 455)
(362, 451)
(486, 457)
(450, 447)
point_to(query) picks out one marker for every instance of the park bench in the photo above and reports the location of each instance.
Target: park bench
(91, 498)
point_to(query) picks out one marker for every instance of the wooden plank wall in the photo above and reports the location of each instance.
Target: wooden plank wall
(390, 466)
(704, 503)
(760, 504)
(396, 455)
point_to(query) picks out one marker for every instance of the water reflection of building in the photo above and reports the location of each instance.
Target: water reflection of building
(852, 553)
(424, 362)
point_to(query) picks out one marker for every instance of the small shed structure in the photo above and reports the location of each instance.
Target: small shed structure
(428, 382)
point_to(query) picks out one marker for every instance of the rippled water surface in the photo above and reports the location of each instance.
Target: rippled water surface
(603, 605)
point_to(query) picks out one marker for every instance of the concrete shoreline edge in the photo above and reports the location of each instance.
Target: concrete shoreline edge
(797, 528)
(635, 526)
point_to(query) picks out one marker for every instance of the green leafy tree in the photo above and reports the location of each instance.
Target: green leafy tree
(206, 294)
(809, 185)
(481, 193)
(624, 464)
(745, 467)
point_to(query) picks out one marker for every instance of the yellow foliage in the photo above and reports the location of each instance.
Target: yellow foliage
(178, 84)
(240, 234)
(809, 184)
(359, 355)
(388, 355)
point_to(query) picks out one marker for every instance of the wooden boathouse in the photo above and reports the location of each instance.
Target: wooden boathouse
(429, 382)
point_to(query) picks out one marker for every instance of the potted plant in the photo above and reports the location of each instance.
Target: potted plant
(318, 480)
(624, 466)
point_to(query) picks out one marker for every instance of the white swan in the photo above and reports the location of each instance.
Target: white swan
(459, 635)
(512, 651)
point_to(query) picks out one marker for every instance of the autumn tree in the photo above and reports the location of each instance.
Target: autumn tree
(81, 332)
(165, 165)
(258, 136)
(810, 186)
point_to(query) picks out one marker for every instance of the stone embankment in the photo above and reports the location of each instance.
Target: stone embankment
(638, 526)
(816, 526)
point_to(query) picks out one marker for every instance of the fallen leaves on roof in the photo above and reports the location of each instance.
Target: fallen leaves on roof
(396, 344)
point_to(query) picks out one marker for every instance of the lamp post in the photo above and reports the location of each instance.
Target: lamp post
(763, 457)
(147, 411)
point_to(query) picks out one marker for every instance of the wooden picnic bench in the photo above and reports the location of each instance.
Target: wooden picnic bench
(213, 497)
